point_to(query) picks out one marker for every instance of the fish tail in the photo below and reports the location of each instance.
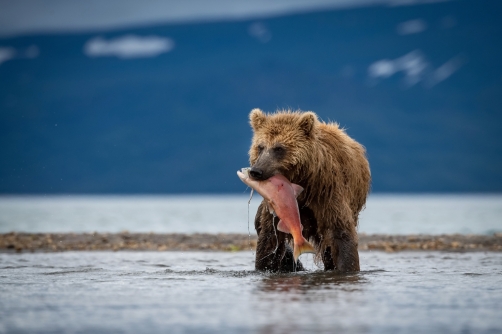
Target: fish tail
(302, 247)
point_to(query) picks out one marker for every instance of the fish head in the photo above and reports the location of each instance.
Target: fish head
(264, 188)
(243, 174)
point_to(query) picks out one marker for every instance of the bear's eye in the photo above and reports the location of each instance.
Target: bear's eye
(278, 149)
(260, 148)
(279, 152)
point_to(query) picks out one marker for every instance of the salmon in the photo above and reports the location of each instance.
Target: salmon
(280, 196)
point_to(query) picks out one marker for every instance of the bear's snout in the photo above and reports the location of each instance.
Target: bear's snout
(256, 173)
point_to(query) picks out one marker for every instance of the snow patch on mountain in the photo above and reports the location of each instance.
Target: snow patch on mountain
(416, 68)
(129, 46)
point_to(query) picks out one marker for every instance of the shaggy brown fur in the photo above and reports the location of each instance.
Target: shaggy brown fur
(333, 170)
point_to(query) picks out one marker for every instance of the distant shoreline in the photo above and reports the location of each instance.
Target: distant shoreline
(16, 242)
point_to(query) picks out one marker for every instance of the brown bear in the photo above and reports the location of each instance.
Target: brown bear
(333, 170)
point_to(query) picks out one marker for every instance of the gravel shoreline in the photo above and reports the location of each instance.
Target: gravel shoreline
(59, 242)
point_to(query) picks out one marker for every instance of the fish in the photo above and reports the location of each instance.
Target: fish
(280, 196)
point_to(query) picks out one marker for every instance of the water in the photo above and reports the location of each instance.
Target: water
(391, 214)
(215, 292)
(174, 292)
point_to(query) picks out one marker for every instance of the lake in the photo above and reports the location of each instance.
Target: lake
(388, 214)
(204, 292)
(219, 292)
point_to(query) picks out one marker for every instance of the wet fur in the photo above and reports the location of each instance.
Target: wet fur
(333, 170)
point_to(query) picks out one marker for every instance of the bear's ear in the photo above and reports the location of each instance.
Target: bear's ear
(307, 122)
(257, 118)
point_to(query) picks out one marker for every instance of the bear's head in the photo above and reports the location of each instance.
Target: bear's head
(282, 142)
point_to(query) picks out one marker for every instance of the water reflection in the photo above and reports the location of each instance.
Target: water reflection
(308, 301)
(298, 284)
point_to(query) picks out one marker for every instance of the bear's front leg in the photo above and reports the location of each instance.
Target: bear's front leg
(272, 253)
(346, 256)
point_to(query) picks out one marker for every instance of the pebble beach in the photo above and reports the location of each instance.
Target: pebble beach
(125, 241)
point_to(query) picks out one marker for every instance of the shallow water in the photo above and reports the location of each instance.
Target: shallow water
(388, 214)
(175, 292)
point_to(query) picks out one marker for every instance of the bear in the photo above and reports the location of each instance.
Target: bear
(333, 170)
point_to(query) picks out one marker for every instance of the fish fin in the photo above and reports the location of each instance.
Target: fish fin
(304, 247)
(297, 189)
(281, 226)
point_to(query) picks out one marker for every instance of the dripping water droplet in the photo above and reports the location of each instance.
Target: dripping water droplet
(249, 232)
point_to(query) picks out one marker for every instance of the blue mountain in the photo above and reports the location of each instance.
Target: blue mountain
(419, 86)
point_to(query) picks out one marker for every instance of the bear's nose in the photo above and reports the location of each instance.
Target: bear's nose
(256, 173)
